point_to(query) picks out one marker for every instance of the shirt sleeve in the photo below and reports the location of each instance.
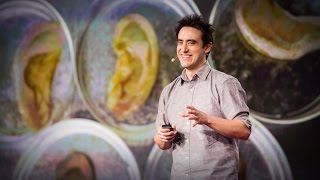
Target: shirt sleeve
(161, 108)
(234, 101)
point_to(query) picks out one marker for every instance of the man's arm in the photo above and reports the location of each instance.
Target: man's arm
(230, 128)
(235, 128)
(235, 123)
(163, 137)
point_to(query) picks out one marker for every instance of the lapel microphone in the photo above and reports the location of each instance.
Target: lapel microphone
(173, 59)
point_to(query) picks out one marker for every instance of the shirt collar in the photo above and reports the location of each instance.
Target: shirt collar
(202, 73)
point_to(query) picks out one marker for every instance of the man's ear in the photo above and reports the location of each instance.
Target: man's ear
(209, 47)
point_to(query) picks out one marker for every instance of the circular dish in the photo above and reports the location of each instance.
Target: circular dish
(36, 84)
(109, 156)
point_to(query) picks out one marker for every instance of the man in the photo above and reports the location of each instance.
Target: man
(206, 108)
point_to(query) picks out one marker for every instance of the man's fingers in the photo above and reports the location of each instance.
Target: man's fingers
(166, 138)
(184, 115)
(166, 135)
(193, 117)
(189, 112)
(195, 112)
(191, 107)
(194, 123)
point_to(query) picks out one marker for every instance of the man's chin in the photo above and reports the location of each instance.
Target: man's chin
(184, 65)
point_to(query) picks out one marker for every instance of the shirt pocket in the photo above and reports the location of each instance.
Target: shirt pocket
(211, 107)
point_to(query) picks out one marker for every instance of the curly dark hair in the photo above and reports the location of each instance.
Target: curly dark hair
(197, 21)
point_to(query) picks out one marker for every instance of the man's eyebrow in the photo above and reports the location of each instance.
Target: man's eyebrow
(191, 40)
(188, 40)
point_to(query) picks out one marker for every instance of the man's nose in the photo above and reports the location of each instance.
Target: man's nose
(184, 47)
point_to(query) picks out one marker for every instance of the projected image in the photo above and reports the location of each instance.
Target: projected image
(80, 83)
(36, 75)
(274, 54)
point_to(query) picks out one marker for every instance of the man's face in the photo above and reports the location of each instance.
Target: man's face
(190, 50)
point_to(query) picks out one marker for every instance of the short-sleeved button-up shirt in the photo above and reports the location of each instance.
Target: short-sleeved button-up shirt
(202, 153)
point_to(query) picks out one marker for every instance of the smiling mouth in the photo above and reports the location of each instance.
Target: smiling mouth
(185, 57)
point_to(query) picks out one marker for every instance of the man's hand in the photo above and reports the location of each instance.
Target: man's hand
(198, 116)
(165, 135)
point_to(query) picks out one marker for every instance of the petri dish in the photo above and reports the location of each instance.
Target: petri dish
(96, 66)
(279, 91)
(261, 157)
(21, 25)
(36, 84)
(68, 141)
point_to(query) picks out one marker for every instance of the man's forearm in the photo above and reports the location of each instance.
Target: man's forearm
(230, 128)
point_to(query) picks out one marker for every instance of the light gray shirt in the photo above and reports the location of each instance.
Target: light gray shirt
(202, 153)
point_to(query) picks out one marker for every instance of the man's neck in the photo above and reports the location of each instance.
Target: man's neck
(191, 72)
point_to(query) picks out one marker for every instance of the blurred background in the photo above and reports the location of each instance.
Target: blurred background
(80, 83)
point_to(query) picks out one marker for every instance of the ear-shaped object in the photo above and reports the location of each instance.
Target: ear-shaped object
(40, 53)
(137, 51)
(268, 29)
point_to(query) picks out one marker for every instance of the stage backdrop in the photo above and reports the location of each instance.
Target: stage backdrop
(80, 83)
